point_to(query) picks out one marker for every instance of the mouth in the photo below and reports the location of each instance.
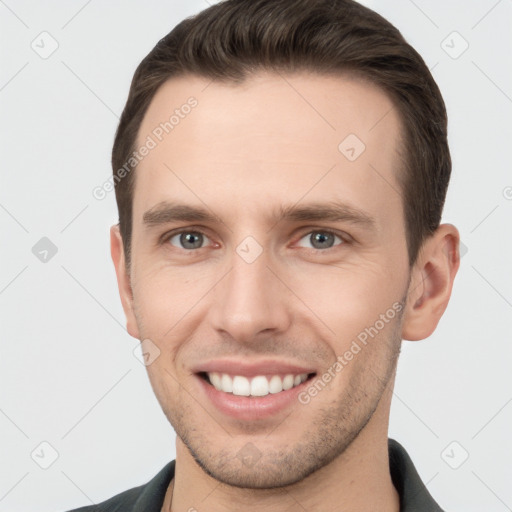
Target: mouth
(252, 391)
(255, 386)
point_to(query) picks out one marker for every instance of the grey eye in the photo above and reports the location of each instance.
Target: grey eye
(189, 240)
(321, 239)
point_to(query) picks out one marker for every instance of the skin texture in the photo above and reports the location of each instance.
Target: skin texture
(244, 151)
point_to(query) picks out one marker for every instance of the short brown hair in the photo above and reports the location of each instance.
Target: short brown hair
(233, 38)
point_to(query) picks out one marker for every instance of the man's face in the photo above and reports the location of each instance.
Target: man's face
(249, 294)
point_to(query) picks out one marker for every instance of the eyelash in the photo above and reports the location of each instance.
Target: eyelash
(344, 238)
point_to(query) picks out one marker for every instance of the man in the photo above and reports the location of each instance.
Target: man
(280, 170)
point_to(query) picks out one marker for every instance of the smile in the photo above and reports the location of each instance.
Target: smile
(259, 385)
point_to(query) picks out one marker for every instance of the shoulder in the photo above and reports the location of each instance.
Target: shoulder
(414, 496)
(147, 497)
(120, 502)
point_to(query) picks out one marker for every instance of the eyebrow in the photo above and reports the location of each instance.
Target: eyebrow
(166, 212)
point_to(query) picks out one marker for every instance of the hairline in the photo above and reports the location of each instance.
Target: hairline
(402, 152)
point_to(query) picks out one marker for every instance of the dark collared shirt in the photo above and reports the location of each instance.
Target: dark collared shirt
(149, 497)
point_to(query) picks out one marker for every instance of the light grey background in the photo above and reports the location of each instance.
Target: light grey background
(68, 374)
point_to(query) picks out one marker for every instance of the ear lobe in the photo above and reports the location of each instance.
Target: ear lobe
(123, 280)
(431, 283)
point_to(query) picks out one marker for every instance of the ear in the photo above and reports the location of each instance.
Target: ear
(431, 283)
(123, 280)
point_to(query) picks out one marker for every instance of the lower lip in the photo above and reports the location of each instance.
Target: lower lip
(251, 408)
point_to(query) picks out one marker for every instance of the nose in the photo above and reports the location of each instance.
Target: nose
(251, 300)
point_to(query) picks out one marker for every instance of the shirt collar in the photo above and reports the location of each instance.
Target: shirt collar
(414, 496)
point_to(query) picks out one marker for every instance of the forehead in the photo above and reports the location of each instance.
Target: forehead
(271, 140)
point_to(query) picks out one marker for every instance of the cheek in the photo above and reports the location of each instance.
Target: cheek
(344, 296)
(165, 296)
(347, 300)
(346, 290)
(164, 383)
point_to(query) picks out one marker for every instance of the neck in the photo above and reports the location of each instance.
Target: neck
(357, 480)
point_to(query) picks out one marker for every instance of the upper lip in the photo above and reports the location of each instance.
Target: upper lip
(252, 369)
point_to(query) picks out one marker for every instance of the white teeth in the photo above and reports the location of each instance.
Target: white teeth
(226, 383)
(215, 380)
(276, 384)
(257, 386)
(241, 386)
(288, 382)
